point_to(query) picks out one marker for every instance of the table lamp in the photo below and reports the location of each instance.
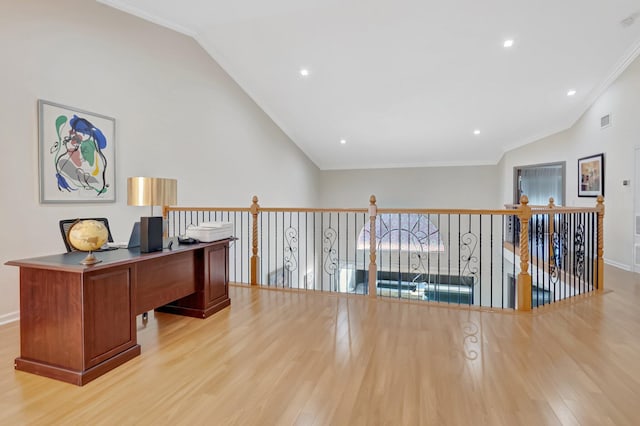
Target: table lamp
(149, 191)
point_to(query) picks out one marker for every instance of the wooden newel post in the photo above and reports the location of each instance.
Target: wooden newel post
(524, 279)
(255, 260)
(600, 259)
(373, 269)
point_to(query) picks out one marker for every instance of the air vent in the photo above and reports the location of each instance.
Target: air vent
(605, 121)
(637, 247)
(637, 225)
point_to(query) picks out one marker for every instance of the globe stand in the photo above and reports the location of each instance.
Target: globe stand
(90, 259)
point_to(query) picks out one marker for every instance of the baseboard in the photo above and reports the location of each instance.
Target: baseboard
(618, 265)
(10, 317)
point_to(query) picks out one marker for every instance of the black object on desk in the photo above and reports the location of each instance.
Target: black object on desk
(187, 240)
(150, 234)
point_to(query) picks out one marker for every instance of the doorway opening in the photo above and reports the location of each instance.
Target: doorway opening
(539, 182)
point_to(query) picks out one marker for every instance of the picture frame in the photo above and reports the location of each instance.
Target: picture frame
(76, 151)
(591, 176)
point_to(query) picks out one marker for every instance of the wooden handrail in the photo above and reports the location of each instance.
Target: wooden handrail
(310, 210)
(561, 210)
(556, 209)
(206, 209)
(447, 211)
(506, 211)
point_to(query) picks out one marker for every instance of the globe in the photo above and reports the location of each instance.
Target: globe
(88, 235)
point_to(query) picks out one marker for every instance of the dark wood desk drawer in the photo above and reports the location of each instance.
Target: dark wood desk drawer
(164, 279)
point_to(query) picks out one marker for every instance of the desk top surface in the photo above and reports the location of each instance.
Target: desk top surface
(70, 262)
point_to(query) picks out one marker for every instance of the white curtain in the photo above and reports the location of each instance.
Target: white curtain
(540, 183)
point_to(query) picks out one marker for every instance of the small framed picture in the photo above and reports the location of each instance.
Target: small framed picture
(591, 176)
(77, 155)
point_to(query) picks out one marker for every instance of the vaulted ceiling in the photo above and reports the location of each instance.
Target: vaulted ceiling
(411, 82)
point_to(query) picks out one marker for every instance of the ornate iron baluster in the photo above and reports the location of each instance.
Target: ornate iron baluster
(330, 237)
(578, 247)
(469, 243)
(291, 240)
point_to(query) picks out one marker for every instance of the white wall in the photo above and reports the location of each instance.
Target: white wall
(617, 142)
(178, 115)
(420, 187)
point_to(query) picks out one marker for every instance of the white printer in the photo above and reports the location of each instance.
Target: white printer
(210, 231)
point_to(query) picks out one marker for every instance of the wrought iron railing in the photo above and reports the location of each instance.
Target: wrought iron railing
(447, 256)
(179, 218)
(311, 250)
(563, 252)
(514, 258)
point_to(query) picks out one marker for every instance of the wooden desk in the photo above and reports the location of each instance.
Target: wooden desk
(78, 322)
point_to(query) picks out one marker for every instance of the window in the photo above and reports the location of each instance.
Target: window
(539, 182)
(402, 232)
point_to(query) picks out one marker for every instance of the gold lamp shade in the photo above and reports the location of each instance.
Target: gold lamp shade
(150, 191)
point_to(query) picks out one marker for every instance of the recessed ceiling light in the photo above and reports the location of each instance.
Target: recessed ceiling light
(508, 43)
(343, 141)
(476, 132)
(571, 92)
(304, 72)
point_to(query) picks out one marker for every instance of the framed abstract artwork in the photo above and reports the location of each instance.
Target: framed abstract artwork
(591, 176)
(77, 155)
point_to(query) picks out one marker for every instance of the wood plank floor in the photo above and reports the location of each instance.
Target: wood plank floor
(281, 358)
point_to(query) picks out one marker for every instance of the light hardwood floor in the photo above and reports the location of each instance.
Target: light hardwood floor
(314, 359)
